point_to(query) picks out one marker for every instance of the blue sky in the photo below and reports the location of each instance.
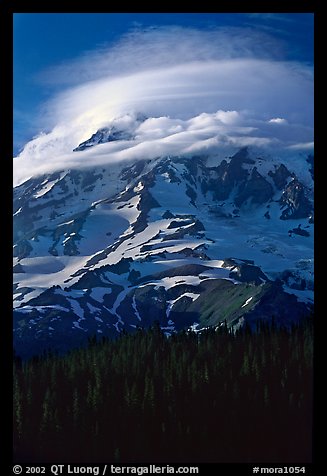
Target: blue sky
(45, 41)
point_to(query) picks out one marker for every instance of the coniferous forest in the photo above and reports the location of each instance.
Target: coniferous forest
(218, 396)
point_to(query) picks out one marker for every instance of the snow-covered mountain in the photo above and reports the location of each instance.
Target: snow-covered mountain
(190, 242)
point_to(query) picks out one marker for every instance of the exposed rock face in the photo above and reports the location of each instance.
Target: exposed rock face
(299, 231)
(310, 161)
(18, 268)
(223, 178)
(185, 270)
(257, 188)
(228, 175)
(280, 176)
(104, 135)
(294, 201)
(275, 298)
(130, 173)
(248, 273)
(168, 214)
(22, 249)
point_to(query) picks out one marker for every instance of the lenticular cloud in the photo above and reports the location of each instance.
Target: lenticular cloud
(211, 90)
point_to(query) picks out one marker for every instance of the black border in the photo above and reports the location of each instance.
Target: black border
(7, 9)
(98, 6)
(6, 110)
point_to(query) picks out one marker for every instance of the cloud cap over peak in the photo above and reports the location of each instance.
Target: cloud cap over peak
(168, 46)
(203, 89)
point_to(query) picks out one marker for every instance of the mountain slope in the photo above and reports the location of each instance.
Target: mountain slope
(190, 242)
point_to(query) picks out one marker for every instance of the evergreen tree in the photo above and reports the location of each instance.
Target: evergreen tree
(215, 396)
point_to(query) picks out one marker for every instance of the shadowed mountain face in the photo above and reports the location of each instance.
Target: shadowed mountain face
(183, 241)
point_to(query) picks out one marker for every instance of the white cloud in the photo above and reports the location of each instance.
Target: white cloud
(302, 146)
(200, 92)
(169, 46)
(277, 120)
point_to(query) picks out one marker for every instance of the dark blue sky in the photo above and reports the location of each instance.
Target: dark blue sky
(45, 40)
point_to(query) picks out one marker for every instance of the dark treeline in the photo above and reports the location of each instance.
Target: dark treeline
(146, 398)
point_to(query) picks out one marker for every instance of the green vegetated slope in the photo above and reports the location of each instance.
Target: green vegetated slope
(214, 396)
(223, 300)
